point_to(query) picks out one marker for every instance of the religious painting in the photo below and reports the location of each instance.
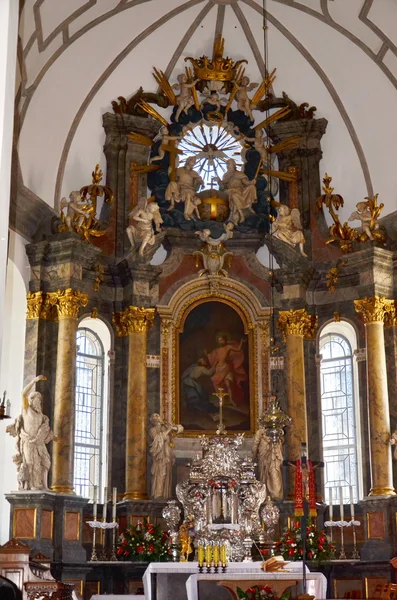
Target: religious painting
(214, 353)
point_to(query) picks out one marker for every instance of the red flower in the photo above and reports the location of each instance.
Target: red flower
(320, 547)
(291, 552)
(297, 524)
(264, 551)
(309, 555)
(150, 548)
(140, 549)
(267, 589)
(250, 590)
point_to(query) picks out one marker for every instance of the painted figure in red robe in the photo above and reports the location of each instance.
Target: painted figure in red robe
(228, 360)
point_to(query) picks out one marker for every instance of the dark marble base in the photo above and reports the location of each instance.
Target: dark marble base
(49, 523)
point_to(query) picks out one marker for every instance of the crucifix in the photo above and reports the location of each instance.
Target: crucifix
(173, 152)
(221, 395)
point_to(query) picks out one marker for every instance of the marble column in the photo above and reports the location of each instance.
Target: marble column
(135, 322)
(68, 303)
(295, 326)
(375, 311)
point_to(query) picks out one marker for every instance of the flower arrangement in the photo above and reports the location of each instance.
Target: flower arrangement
(318, 548)
(145, 542)
(261, 592)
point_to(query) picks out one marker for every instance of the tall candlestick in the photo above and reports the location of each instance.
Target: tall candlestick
(94, 512)
(342, 514)
(351, 503)
(105, 501)
(114, 503)
(331, 508)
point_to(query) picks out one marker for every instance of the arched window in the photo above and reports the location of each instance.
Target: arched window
(89, 418)
(339, 409)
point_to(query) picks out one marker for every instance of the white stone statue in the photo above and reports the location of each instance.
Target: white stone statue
(162, 456)
(243, 101)
(287, 227)
(184, 189)
(393, 442)
(269, 456)
(185, 98)
(166, 138)
(140, 232)
(77, 211)
(241, 191)
(32, 430)
(365, 214)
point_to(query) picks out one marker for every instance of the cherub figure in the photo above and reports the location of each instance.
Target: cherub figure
(78, 211)
(166, 138)
(243, 101)
(140, 232)
(287, 227)
(185, 99)
(365, 214)
(214, 100)
(241, 191)
(261, 145)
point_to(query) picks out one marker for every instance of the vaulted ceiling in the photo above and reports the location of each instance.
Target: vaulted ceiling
(77, 56)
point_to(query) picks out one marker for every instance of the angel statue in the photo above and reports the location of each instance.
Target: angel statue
(140, 232)
(241, 191)
(166, 138)
(77, 211)
(368, 212)
(243, 101)
(185, 99)
(287, 227)
(184, 189)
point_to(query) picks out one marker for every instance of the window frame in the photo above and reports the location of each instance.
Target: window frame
(100, 446)
(347, 331)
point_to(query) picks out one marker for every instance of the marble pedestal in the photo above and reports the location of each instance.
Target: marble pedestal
(380, 525)
(49, 523)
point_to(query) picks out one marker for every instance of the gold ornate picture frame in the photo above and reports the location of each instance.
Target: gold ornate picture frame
(246, 319)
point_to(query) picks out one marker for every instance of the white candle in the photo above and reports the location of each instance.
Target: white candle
(105, 500)
(114, 503)
(94, 512)
(351, 503)
(331, 509)
(342, 514)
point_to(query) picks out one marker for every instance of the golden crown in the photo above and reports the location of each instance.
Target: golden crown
(217, 68)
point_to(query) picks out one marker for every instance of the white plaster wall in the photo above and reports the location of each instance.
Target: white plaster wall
(11, 379)
(324, 55)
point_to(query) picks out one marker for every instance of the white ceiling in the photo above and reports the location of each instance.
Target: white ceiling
(77, 56)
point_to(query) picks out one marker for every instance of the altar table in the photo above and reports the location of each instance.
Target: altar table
(279, 582)
(167, 581)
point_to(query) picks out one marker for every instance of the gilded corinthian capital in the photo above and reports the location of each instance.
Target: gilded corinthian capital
(34, 304)
(375, 309)
(297, 322)
(68, 302)
(134, 319)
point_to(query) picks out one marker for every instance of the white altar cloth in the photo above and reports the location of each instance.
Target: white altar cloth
(191, 568)
(316, 582)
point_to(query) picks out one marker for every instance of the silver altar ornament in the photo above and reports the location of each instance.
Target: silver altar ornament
(274, 419)
(270, 516)
(172, 515)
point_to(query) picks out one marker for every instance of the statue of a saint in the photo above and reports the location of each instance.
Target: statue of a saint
(240, 189)
(162, 456)
(393, 442)
(32, 430)
(269, 456)
(140, 232)
(185, 188)
(287, 227)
